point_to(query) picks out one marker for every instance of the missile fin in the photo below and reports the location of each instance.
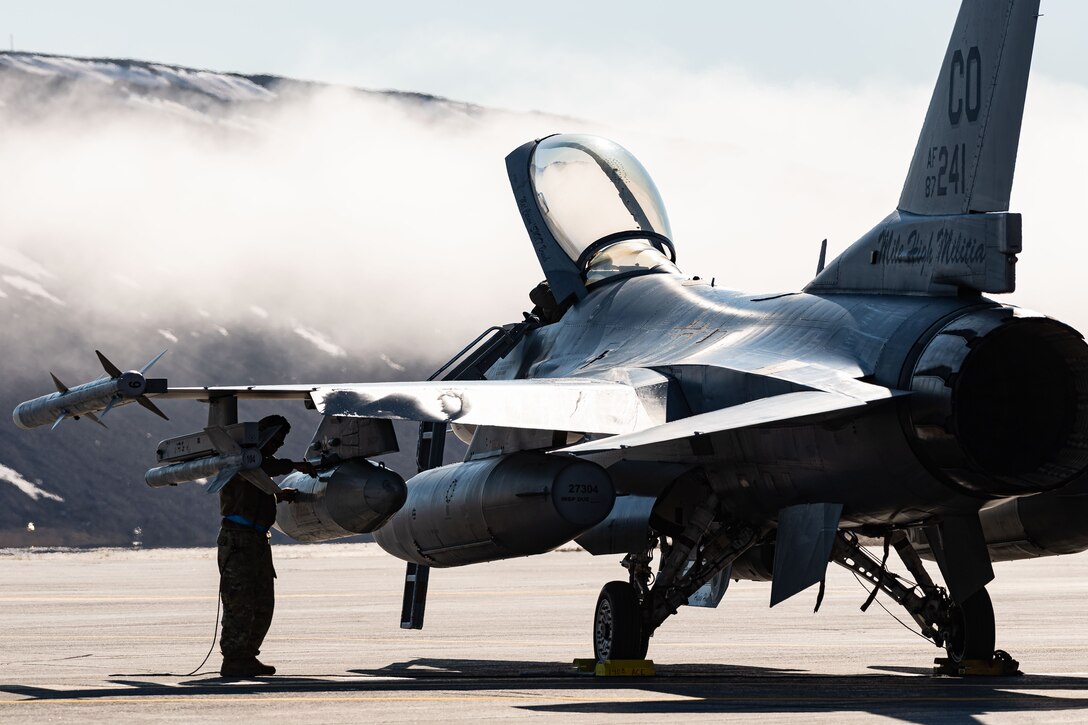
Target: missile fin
(154, 360)
(269, 435)
(142, 400)
(221, 441)
(108, 408)
(261, 480)
(109, 367)
(221, 480)
(59, 419)
(96, 419)
(61, 387)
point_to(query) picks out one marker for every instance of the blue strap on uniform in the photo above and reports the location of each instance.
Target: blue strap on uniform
(239, 519)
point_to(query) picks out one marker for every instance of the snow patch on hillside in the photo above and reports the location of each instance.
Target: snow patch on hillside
(24, 265)
(30, 489)
(320, 342)
(30, 287)
(392, 363)
(220, 86)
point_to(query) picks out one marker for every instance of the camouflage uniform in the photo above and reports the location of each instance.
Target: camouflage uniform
(247, 588)
(246, 575)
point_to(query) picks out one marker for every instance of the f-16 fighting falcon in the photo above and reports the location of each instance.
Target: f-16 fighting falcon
(709, 435)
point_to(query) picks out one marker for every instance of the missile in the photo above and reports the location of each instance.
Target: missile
(223, 466)
(96, 397)
(218, 453)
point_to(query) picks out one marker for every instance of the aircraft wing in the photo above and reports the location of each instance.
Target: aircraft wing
(631, 406)
(678, 440)
(571, 404)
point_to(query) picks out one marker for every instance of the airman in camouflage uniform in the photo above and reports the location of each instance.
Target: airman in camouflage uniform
(246, 583)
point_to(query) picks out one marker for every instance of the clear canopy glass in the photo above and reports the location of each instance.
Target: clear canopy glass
(589, 188)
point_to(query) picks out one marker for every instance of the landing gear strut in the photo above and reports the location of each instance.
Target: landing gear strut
(966, 629)
(627, 614)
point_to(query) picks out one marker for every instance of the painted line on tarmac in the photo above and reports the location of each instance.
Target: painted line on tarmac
(434, 594)
(736, 699)
(210, 698)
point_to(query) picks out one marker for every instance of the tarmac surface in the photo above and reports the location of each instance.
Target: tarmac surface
(93, 636)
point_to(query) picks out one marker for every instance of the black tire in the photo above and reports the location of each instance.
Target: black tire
(617, 624)
(971, 633)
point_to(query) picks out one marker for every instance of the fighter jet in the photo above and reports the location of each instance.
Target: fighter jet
(708, 435)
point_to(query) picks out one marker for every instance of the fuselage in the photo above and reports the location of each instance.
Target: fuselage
(724, 347)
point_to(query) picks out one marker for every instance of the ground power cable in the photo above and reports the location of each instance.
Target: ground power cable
(215, 632)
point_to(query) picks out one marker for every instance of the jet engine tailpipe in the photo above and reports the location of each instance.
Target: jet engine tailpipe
(497, 508)
(1000, 403)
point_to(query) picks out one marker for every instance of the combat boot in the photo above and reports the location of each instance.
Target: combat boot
(262, 668)
(244, 667)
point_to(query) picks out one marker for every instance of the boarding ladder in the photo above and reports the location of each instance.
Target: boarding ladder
(471, 363)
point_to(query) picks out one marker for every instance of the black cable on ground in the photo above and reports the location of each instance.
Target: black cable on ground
(215, 631)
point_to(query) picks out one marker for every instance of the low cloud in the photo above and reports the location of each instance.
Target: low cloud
(387, 222)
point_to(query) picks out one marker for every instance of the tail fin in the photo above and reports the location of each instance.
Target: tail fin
(966, 152)
(937, 242)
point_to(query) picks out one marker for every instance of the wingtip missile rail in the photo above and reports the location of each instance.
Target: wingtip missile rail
(94, 399)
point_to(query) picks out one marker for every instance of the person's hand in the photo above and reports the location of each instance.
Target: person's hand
(306, 467)
(287, 494)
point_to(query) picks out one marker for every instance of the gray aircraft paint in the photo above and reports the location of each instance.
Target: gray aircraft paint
(854, 400)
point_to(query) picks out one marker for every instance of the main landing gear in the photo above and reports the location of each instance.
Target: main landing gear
(628, 613)
(965, 629)
(618, 633)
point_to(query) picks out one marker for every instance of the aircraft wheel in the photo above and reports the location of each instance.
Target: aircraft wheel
(971, 632)
(617, 624)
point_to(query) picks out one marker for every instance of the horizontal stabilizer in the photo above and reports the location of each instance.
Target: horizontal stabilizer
(679, 439)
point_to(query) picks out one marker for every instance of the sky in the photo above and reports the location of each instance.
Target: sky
(767, 126)
(495, 52)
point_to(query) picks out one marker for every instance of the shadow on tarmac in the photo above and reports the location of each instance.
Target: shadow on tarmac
(678, 688)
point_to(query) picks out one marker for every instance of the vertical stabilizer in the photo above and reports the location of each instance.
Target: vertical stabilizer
(952, 233)
(966, 152)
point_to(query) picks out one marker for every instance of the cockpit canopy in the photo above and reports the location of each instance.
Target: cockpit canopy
(601, 206)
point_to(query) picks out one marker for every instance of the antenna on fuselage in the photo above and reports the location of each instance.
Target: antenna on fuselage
(823, 257)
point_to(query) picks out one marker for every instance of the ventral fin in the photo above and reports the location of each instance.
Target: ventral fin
(802, 549)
